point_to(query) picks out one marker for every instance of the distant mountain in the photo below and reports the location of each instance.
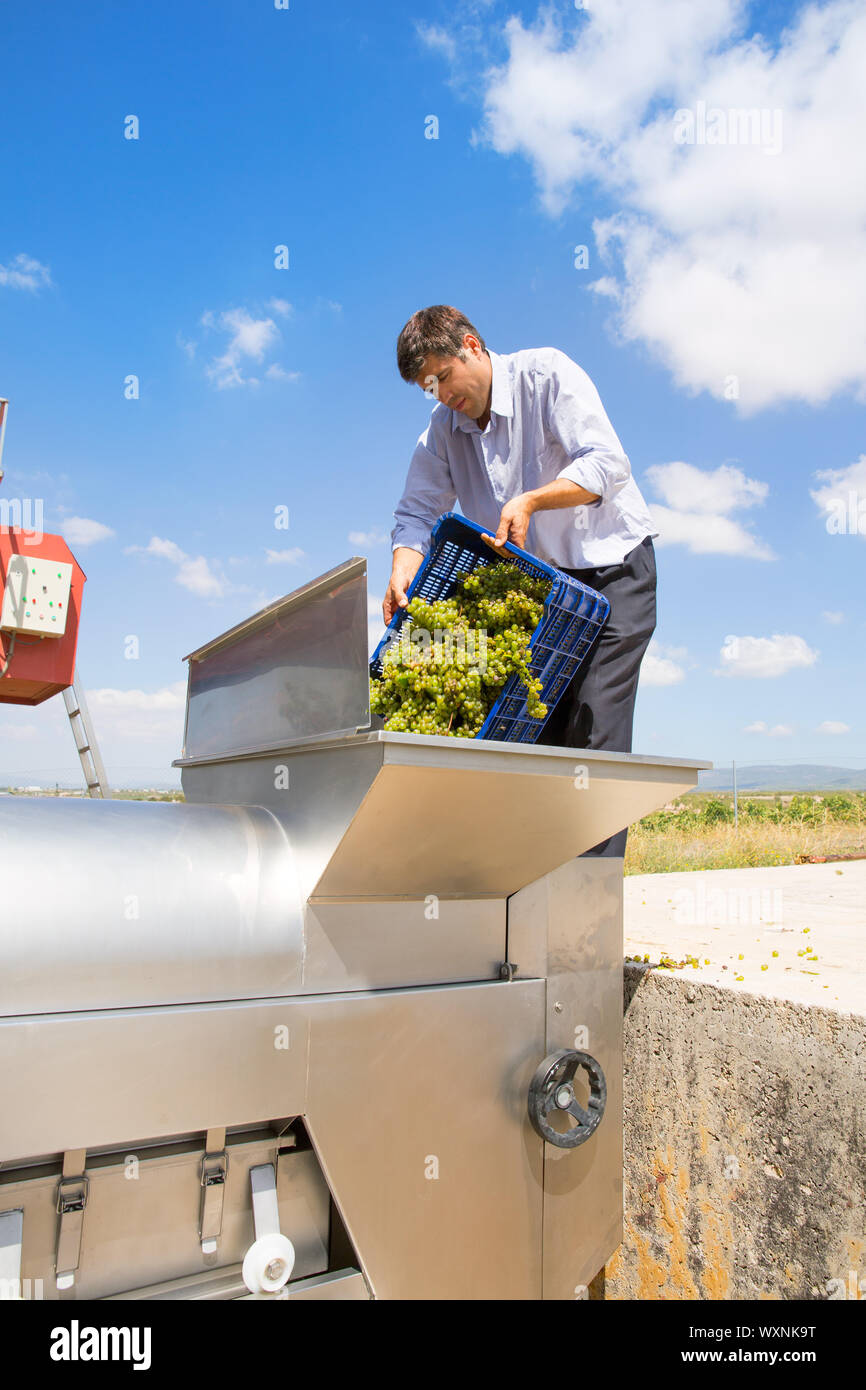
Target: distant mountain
(769, 777)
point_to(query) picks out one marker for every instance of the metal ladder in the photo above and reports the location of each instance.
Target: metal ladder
(85, 740)
(73, 696)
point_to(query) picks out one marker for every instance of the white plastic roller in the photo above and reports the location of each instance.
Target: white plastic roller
(270, 1259)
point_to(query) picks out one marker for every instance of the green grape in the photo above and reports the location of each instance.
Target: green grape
(440, 678)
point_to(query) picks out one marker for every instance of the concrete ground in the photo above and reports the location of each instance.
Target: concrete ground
(797, 932)
(744, 1086)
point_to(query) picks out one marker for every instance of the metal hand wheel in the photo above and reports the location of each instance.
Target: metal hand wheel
(552, 1089)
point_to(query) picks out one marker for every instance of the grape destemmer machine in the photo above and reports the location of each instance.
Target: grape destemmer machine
(345, 1024)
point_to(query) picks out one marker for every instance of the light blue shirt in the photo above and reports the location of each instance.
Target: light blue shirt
(546, 421)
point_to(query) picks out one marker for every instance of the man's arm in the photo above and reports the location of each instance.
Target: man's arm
(598, 466)
(576, 417)
(516, 514)
(429, 492)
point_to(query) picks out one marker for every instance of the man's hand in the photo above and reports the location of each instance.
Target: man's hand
(404, 566)
(513, 522)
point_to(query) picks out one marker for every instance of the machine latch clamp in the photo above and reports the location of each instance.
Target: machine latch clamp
(214, 1171)
(72, 1195)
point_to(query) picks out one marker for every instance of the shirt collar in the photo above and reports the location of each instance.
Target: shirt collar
(501, 398)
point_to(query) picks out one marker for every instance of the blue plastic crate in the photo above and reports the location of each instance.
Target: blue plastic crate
(573, 616)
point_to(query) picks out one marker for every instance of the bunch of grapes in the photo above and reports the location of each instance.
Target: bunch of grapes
(445, 669)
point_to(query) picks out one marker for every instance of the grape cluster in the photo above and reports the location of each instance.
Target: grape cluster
(447, 668)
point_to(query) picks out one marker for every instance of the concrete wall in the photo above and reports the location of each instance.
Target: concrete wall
(745, 1146)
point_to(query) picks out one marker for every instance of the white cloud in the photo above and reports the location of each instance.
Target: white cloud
(707, 535)
(139, 714)
(435, 37)
(23, 733)
(25, 273)
(277, 373)
(777, 731)
(699, 501)
(167, 550)
(251, 336)
(764, 657)
(367, 538)
(842, 498)
(692, 489)
(171, 697)
(740, 281)
(832, 617)
(606, 286)
(193, 573)
(568, 100)
(249, 339)
(80, 530)
(293, 556)
(197, 576)
(659, 665)
(833, 726)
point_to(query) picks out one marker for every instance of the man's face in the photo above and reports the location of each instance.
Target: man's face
(462, 386)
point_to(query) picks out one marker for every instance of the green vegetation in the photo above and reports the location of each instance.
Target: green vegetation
(148, 795)
(117, 794)
(698, 832)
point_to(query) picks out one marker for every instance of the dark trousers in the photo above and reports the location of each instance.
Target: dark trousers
(597, 709)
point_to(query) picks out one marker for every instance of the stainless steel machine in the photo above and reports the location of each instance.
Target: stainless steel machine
(346, 1024)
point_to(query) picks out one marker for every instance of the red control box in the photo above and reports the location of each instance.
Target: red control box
(41, 666)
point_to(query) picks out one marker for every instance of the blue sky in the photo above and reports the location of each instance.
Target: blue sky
(720, 315)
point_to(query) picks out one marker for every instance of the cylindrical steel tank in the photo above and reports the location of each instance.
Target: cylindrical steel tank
(112, 904)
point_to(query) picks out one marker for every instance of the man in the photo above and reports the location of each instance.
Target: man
(522, 440)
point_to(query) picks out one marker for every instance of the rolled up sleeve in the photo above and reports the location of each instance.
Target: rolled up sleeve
(429, 492)
(577, 419)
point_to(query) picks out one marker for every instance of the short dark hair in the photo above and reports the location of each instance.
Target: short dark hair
(438, 330)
